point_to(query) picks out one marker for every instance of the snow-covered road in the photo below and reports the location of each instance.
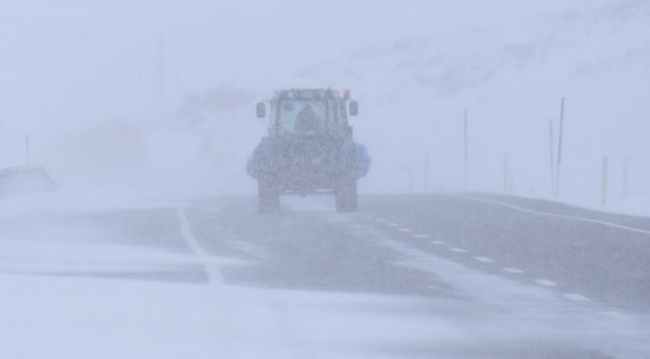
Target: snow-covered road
(406, 277)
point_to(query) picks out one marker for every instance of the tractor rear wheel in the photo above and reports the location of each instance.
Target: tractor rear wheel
(268, 196)
(346, 195)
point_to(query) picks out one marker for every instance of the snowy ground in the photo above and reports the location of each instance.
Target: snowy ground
(48, 317)
(81, 280)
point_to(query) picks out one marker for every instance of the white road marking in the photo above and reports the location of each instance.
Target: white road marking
(545, 283)
(603, 223)
(421, 236)
(617, 315)
(458, 250)
(576, 297)
(393, 224)
(484, 259)
(438, 242)
(512, 270)
(214, 276)
(405, 230)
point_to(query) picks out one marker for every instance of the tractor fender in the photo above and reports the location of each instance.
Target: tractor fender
(363, 160)
(355, 155)
(261, 158)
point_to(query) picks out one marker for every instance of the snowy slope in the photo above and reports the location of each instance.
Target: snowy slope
(510, 77)
(414, 69)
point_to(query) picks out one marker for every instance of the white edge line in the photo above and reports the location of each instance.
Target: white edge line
(513, 270)
(603, 223)
(617, 315)
(214, 276)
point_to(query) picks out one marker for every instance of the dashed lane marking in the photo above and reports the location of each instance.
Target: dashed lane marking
(458, 250)
(484, 259)
(545, 283)
(576, 297)
(393, 224)
(421, 236)
(438, 242)
(512, 270)
(405, 230)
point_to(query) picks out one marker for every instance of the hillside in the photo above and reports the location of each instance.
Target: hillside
(415, 70)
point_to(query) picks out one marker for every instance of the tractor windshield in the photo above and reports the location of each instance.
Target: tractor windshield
(307, 117)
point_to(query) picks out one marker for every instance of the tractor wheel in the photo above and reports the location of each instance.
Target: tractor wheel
(346, 195)
(268, 196)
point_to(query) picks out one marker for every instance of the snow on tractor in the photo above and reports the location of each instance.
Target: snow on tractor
(309, 149)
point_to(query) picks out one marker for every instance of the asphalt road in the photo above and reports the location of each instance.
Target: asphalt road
(591, 261)
(583, 254)
(517, 277)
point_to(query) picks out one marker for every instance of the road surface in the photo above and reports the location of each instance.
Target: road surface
(468, 275)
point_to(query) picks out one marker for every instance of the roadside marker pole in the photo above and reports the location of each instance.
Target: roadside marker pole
(603, 193)
(625, 178)
(550, 147)
(426, 171)
(559, 151)
(505, 173)
(465, 152)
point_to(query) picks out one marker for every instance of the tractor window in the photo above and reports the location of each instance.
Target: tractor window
(306, 117)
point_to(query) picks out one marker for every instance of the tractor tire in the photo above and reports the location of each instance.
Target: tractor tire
(346, 195)
(268, 196)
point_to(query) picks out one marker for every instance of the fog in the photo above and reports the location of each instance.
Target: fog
(151, 243)
(160, 95)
